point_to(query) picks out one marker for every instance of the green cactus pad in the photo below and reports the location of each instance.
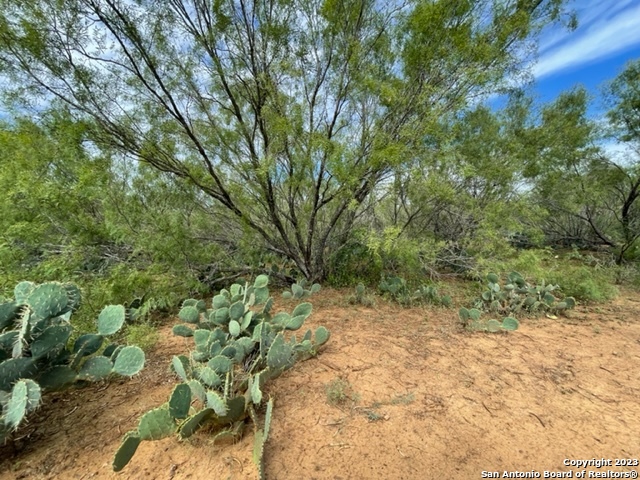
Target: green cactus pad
(510, 323)
(189, 314)
(220, 316)
(220, 364)
(25, 397)
(95, 368)
(180, 365)
(194, 422)
(234, 328)
(22, 291)
(261, 281)
(197, 390)
(57, 377)
(261, 295)
(258, 452)
(201, 338)
(111, 319)
(237, 408)
(463, 313)
(129, 361)
(74, 296)
(321, 336)
(315, 288)
(493, 278)
(48, 300)
(182, 331)
(279, 355)
(304, 310)
(156, 424)
(254, 389)
(230, 351)
(220, 301)
(180, 401)
(297, 290)
(89, 344)
(287, 295)
(570, 301)
(126, 451)
(246, 320)
(474, 314)
(51, 340)
(8, 313)
(14, 369)
(217, 403)
(267, 418)
(209, 377)
(493, 325)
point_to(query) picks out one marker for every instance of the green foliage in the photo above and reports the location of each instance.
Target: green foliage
(586, 283)
(517, 295)
(239, 345)
(470, 319)
(35, 348)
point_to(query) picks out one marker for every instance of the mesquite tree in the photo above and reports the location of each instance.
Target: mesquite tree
(285, 113)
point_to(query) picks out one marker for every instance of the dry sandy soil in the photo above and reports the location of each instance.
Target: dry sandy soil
(396, 394)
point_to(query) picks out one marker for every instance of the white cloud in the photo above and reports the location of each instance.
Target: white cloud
(605, 28)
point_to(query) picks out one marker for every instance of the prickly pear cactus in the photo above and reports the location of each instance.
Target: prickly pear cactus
(471, 320)
(239, 345)
(299, 290)
(35, 353)
(516, 295)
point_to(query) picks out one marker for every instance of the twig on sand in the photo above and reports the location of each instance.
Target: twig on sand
(541, 422)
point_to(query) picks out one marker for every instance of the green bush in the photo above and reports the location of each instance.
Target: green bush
(585, 283)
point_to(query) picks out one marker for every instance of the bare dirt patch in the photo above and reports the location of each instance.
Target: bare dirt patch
(418, 398)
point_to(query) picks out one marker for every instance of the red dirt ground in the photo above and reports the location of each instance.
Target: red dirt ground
(396, 394)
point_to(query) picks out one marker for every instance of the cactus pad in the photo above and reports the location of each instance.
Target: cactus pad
(129, 361)
(189, 314)
(48, 300)
(126, 451)
(156, 424)
(25, 397)
(111, 319)
(95, 368)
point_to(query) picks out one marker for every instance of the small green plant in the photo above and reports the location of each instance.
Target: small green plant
(35, 354)
(516, 295)
(429, 294)
(360, 297)
(470, 319)
(339, 391)
(239, 346)
(143, 335)
(300, 291)
(396, 289)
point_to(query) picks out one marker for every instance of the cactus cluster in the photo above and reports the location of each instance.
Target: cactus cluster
(470, 319)
(300, 291)
(239, 345)
(516, 295)
(396, 288)
(360, 297)
(35, 353)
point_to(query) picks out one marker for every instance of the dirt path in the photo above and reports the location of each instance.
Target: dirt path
(396, 394)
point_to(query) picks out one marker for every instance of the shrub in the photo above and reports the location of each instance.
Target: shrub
(585, 283)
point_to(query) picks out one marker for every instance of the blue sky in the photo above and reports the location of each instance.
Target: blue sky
(607, 37)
